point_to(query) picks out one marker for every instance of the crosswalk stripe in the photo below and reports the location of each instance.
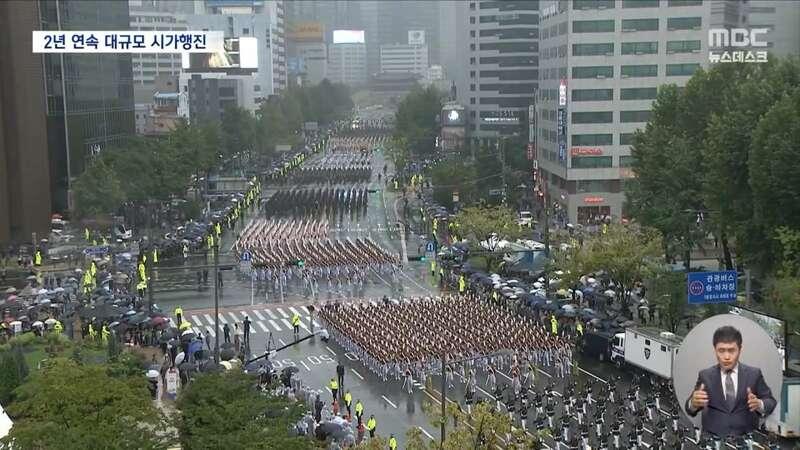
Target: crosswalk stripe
(260, 324)
(209, 319)
(244, 314)
(271, 314)
(275, 325)
(283, 313)
(235, 319)
(294, 311)
(210, 331)
(258, 314)
(222, 318)
(197, 320)
(303, 324)
(288, 325)
(306, 310)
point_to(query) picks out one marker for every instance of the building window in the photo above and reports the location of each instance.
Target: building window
(583, 186)
(647, 93)
(245, 31)
(472, 47)
(472, 19)
(684, 23)
(472, 74)
(593, 49)
(639, 24)
(634, 116)
(640, 3)
(592, 4)
(471, 87)
(592, 26)
(639, 48)
(472, 100)
(472, 60)
(678, 70)
(683, 46)
(592, 139)
(592, 95)
(592, 162)
(626, 138)
(684, 2)
(626, 161)
(593, 117)
(593, 72)
(650, 70)
(761, 10)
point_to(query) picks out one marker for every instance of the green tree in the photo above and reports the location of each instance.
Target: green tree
(416, 118)
(13, 372)
(451, 176)
(67, 405)
(97, 190)
(626, 253)
(667, 292)
(238, 129)
(774, 166)
(227, 411)
(487, 225)
(730, 134)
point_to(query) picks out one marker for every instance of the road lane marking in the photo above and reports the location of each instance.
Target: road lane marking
(288, 325)
(426, 433)
(305, 365)
(260, 324)
(210, 331)
(275, 325)
(592, 375)
(294, 311)
(235, 319)
(197, 320)
(281, 341)
(283, 313)
(258, 314)
(389, 401)
(357, 374)
(304, 326)
(306, 310)
(208, 319)
(222, 318)
(329, 349)
(271, 314)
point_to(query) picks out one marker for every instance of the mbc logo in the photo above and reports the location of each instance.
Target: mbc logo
(736, 37)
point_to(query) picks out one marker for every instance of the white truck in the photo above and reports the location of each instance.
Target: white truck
(649, 349)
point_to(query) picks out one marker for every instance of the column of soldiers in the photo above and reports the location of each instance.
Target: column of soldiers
(298, 254)
(320, 202)
(335, 168)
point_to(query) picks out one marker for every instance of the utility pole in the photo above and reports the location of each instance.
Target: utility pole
(214, 249)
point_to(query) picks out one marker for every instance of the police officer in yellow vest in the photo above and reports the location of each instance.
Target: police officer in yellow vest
(93, 269)
(92, 333)
(57, 327)
(210, 241)
(296, 324)
(37, 258)
(155, 255)
(462, 284)
(86, 234)
(179, 315)
(371, 425)
(348, 400)
(104, 333)
(334, 387)
(554, 325)
(218, 228)
(579, 327)
(433, 267)
(359, 411)
(142, 271)
(392, 443)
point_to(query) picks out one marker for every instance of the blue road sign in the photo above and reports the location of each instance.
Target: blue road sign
(711, 287)
(430, 247)
(246, 256)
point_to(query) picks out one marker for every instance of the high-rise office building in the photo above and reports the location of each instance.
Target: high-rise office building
(89, 97)
(347, 63)
(503, 52)
(404, 58)
(393, 20)
(782, 18)
(24, 168)
(601, 63)
(453, 54)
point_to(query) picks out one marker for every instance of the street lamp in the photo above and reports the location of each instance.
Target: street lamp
(445, 363)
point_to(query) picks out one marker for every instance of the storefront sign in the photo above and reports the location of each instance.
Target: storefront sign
(593, 200)
(562, 122)
(562, 93)
(586, 151)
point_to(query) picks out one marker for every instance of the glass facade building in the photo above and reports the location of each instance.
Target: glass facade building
(96, 90)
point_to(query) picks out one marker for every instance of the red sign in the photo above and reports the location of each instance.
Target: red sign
(593, 200)
(586, 151)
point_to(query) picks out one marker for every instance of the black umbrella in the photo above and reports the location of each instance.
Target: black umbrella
(289, 370)
(167, 335)
(137, 318)
(209, 366)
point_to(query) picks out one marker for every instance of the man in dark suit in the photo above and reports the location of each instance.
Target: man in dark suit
(731, 395)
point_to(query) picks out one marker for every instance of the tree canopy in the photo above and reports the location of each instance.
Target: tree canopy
(227, 411)
(489, 225)
(69, 405)
(416, 119)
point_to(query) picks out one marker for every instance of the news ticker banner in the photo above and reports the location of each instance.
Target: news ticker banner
(128, 42)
